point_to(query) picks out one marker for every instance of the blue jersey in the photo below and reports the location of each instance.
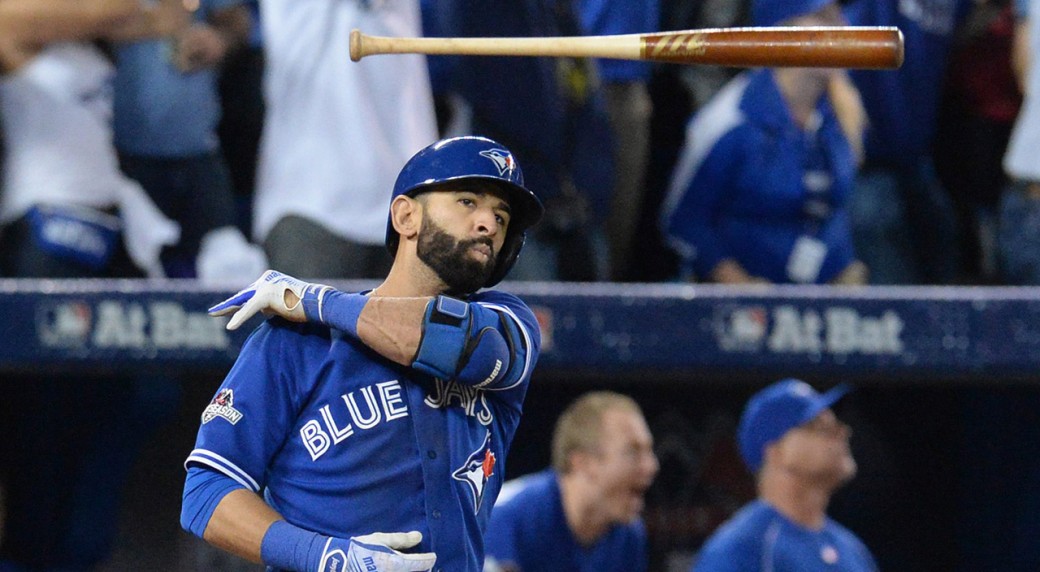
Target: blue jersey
(529, 531)
(746, 177)
(344, 442)
(760, 538)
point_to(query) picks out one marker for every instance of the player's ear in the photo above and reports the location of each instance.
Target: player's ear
(580, 461)
(406, 216)
(772, 453)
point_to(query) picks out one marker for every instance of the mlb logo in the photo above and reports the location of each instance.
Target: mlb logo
(741, 328)
(225, 397)
(64, 324)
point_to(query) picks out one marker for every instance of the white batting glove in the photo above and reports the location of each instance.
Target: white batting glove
(378, 552)
(276, 294)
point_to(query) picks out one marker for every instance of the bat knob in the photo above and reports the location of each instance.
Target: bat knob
(355, 45)
(899, 48)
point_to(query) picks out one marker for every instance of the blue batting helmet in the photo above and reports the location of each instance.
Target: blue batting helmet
(479, 159)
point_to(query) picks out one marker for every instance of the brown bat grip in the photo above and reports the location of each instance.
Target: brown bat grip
(863, 48)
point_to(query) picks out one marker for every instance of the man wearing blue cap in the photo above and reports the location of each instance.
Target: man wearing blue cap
(799, 451)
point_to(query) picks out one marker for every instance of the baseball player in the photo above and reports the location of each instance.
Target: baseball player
(799, 451)
(584, 513)
(368, 431)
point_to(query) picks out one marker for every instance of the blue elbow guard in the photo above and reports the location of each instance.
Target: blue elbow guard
(488, 359)
(444, 338)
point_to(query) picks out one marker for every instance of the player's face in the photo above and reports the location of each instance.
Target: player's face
(461, 236)
(818, 451)
(625, 466)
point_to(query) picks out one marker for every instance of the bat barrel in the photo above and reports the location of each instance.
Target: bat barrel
(840, 47)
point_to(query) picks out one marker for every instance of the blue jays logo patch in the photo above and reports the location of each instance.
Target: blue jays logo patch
(503, 159)
(476, 470)
(222, 406)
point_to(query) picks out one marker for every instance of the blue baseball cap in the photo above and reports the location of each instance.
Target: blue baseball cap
(772, 12)
(777, 409)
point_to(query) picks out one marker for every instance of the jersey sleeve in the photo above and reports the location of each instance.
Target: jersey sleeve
(253, 410)
(515, 321)
(869, 558)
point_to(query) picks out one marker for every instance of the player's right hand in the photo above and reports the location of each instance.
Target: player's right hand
(377, 552)
(276, 294)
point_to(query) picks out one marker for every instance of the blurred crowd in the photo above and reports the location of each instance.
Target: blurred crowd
(211, 139)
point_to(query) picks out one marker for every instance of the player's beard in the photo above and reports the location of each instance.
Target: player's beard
(452, 260)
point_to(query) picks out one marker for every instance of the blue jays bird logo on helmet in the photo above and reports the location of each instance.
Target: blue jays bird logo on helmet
(503, 159)
(476, 471)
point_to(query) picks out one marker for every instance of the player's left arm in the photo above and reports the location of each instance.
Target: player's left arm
(490, 344)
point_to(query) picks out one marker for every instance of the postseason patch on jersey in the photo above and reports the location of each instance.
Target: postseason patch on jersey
(222, 406)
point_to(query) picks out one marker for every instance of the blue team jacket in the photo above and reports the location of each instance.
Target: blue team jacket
(739, 188)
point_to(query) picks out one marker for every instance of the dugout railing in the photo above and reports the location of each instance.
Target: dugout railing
(671, 331)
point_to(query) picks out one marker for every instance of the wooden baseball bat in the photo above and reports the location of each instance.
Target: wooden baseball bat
(861, 47)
